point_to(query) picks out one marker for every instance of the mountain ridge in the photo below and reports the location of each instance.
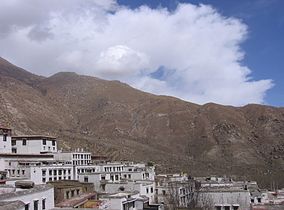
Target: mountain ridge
(112, 118)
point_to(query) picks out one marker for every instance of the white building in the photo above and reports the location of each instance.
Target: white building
(35, 198)
(174, 190)
(5, 140)
(11, 163)
(33, 144)
(222, 193)
(224, 199)
(112, 177)
(77, 158)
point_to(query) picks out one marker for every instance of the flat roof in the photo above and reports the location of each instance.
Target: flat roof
(5, 127)
(73, 202)
(36, 188)
(11, 205)
(120, 194)
(34, 137)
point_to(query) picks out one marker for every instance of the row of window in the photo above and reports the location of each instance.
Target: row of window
(44, 142)
(110, 169)
(72, 193)
(55, 178)
(81, 156)
(14, 172)
(49, 148)
(226, 207)
(83, 170)
(81, 162)
(24, 142)
(151, 190)
(56, 171)
(36, 204)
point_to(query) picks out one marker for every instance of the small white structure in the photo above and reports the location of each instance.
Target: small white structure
(5, 140)
(33, 144)
(122, 201)
(35, 198)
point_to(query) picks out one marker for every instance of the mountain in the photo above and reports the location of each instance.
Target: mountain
(114, 119)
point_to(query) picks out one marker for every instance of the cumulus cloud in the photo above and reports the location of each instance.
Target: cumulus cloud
(193, 52)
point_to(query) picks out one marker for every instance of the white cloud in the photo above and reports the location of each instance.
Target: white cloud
(120, 61)
(198, 48)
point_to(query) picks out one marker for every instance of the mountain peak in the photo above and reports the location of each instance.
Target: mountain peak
(9, 70)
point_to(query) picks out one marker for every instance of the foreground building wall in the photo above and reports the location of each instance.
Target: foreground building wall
(39, 197)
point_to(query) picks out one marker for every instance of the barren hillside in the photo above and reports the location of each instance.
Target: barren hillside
(112, 118)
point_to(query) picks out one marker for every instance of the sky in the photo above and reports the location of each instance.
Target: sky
(222, 51)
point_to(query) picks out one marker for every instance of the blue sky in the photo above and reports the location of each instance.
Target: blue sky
(264, 46)
(222, 51)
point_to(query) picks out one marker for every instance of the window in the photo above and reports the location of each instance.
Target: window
(218, 207)
(43, 180)
(36, 205)
(67, 194)
(23, 172)
(129, 176)
(5, 137)
(164, 192)
(53, 142)
(147, 190)
(24, 142)
(78, 191)
(259, 200)
(72, 193)
(152, 190)
(43, 172)
(54, 172)
(43, 203)
(14, 142)
(44, 142)
(227, 207)
(27, 206)
(50, 172)
(235, 207)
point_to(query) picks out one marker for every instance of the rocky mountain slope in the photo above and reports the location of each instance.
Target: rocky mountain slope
(111, 118)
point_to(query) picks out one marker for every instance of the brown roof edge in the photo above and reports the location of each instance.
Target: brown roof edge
(33, 137)
(25, 155)
(4, 128)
